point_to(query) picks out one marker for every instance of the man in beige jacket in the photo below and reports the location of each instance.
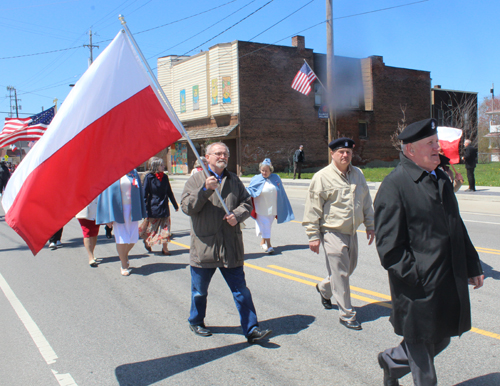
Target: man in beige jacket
(338, 202)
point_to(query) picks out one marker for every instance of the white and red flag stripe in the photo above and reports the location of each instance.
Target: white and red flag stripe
(303, 80)
(112, 121)
(449, 139)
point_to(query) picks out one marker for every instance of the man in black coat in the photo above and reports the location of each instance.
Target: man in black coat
(470, 159)
(298, 160)
(423, 244)
(4, 175)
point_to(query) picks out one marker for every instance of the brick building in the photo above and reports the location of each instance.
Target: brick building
(240, 93)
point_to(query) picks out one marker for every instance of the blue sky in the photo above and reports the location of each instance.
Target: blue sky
(453, 39)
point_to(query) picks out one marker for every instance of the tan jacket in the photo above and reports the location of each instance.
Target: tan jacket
(336, 203)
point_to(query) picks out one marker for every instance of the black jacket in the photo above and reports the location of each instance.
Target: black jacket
(423, 244)
(470, 157)
(156, 195)
(298, 156)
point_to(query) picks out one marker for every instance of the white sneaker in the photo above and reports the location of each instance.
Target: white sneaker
(59, 244)
(52, 246)
(270, 250)
(264, 247)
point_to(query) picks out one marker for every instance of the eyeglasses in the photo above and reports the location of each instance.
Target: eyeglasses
(221, 154)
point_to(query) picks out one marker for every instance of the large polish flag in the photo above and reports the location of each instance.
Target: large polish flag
(113, 120)
(449, 139)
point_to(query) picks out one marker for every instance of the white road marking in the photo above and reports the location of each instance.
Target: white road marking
(43, 345)
(482, 222)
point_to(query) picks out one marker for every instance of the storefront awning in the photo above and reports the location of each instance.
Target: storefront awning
(210, 132)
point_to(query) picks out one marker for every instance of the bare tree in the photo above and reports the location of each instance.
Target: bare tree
(401, 126)
(461, 113)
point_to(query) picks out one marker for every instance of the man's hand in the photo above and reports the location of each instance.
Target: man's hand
(314, 246)
(459, 177)
(211, 183)
(477, 281)
(370, 236)
(231, 219)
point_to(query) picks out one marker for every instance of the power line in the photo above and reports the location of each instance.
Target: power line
(40, 53)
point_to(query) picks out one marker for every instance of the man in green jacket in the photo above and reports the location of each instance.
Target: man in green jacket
(217, 241)
(338, 203)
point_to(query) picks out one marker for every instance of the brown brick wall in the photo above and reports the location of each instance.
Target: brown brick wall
(274, 118)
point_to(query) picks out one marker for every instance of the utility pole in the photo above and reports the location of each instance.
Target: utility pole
(329, 72)
(11, 89)
(90, 46)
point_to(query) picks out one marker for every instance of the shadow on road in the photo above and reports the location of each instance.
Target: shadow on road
(155, 370)
(483, 380)
(490, 272)
(372, 311)
(149, 269)
(277, 251)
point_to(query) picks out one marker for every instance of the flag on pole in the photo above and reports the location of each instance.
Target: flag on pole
(449, 139)
(303, 80)
(13, 147)
(112, 121)
(25, 129)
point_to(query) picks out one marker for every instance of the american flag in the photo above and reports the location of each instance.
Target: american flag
(26, 129)
(303, 80)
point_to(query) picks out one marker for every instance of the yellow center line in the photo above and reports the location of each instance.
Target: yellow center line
(355, 296)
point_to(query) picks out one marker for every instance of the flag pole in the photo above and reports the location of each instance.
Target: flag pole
(317, 77)
(165, 99)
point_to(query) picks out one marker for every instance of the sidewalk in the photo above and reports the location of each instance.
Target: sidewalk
(482, 193)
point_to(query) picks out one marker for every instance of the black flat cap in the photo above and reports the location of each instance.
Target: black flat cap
(341, 143)
(418, 130)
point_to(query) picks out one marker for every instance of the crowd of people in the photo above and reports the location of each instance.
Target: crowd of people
(429, 258)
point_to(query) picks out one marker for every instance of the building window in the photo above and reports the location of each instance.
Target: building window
(318, 91)
(354, 102)
(363, 130)
(440, 117)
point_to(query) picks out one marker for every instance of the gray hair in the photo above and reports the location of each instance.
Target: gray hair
(209, 147)
(197, 164)
(154, 163)
(467, 142)
(271, 167)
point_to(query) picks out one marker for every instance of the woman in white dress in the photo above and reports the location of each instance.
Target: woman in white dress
(270, 202)
(122, 204)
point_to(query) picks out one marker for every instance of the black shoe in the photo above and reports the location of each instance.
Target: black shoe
(388, 381)
(327, 303)
(257, 335)
(200, 330)
(108, 232)
(352, 324)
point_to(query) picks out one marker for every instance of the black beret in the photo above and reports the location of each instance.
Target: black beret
(418, 130)
(341, 143)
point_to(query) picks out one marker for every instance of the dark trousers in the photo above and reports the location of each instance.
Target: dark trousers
(297, 168)
(472, 180)
(417, 358)
(235, 279)
(57, 236)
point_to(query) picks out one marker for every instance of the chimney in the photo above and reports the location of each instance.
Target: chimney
(299, 42)
(437, 86)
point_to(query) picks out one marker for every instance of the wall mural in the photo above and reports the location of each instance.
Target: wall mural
(183, 101)
(178, 158)
(226, 89)
(196, 97)
(215, 92)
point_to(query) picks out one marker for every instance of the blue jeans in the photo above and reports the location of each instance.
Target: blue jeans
(235, 279)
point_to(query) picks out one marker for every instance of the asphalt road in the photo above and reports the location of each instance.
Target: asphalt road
(64, 323)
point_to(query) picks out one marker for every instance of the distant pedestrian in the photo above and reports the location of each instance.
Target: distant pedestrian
(155, 228)
(217, 241)
(338, 203)
(456, 179)
(423, 244)
(123, 205)
(86, 217)
(298, 160)
(55, 240)
(270, 201)
(4, 175)
(197, 166)
(470, 159)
